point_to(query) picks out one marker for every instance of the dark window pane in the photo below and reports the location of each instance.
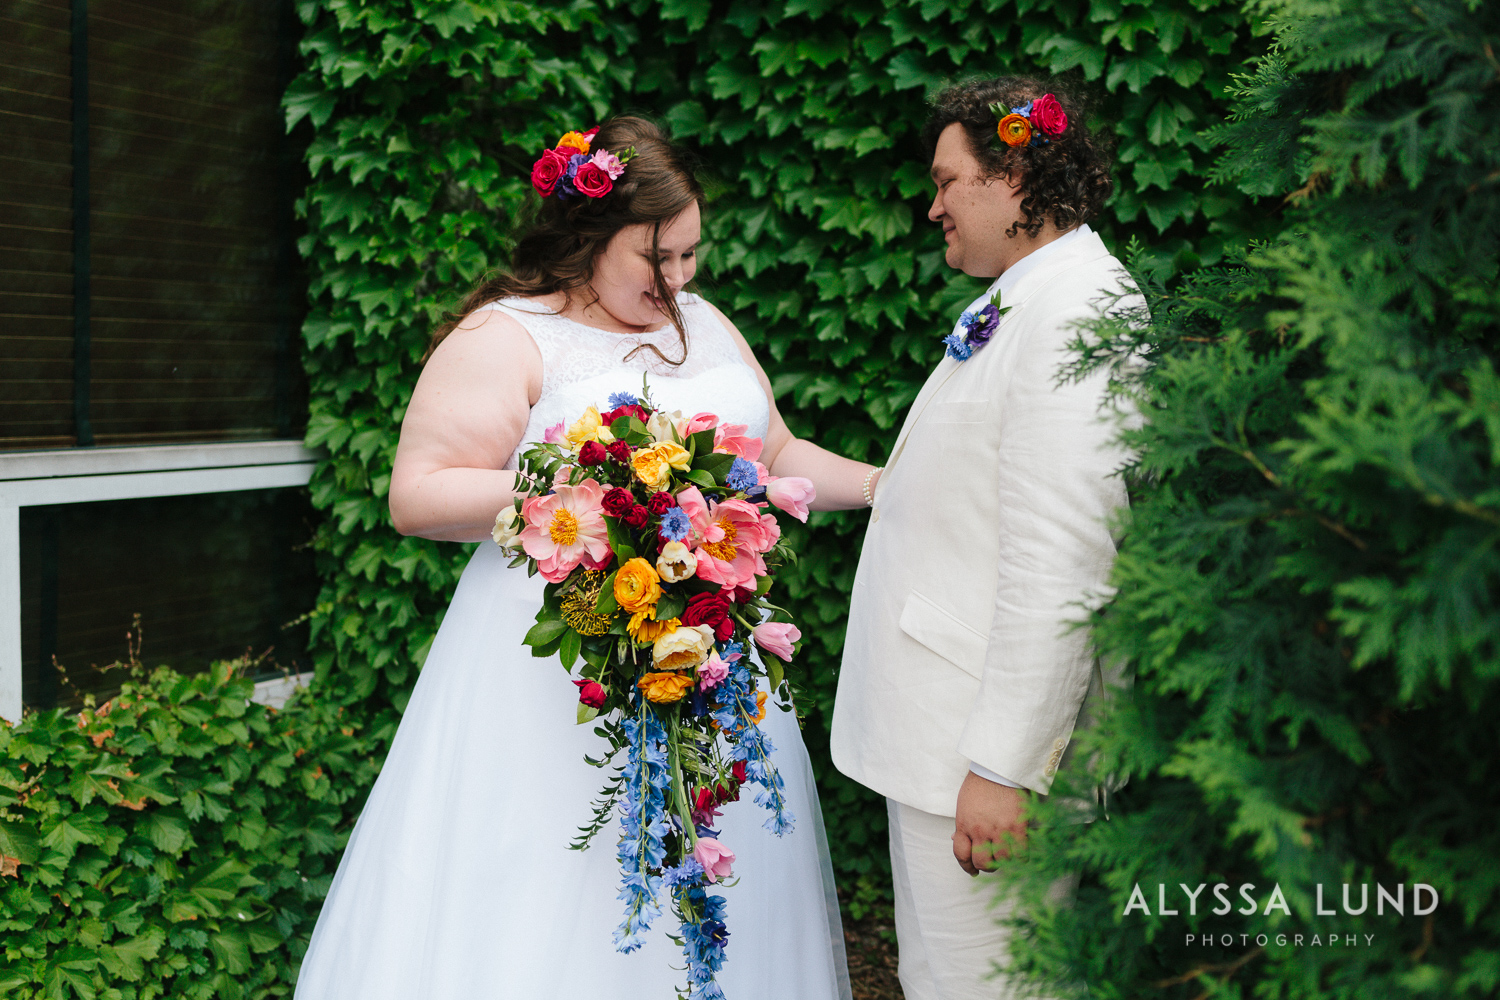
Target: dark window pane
(212, 577)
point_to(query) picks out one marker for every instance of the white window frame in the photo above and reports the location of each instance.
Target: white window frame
(86, 475)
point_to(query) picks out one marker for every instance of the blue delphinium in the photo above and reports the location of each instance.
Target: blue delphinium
(735, 715)
(690, 872)
(619, 399)
(957, 349)
(675, 524)
(703, 942)
(743, 476)
(643, 823)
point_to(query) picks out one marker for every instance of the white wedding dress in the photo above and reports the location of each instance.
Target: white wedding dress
(457, 883)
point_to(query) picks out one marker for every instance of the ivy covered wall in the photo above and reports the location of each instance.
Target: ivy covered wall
(425, 118)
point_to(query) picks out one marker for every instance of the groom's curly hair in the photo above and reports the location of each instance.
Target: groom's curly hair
(1065, 181)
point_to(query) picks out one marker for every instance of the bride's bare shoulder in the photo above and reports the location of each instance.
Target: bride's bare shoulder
(488, 345)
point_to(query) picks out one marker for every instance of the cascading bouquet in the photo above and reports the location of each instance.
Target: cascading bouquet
(651, 532)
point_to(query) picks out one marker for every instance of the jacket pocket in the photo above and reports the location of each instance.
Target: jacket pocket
(945, 635)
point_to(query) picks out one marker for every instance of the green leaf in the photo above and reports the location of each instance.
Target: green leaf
(545, 632)
(716, 465)
(568, 650)
(671, 605)
(19, 841)
(586, 713)
(699, 477)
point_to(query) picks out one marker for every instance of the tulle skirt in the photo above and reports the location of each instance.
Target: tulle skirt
(458, 882)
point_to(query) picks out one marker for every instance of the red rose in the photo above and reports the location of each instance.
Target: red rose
(723, 794)
(711, 610)
(591, 181)
(703, 800)
(1048, 115)
(619, 451)
(547, 171)
(628, 410)
(743, 595)
(638, 517)
(738, 771)
(592, 453)
(660, 503)
(617, 502)
(590, 693)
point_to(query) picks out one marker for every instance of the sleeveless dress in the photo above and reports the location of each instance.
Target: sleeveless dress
(457, 883)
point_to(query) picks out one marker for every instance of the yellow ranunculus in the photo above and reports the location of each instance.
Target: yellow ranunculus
(637, 586)
(573, 140)
(676, 562)
(653, 466)
(683, 648)
(665, 687)
(643, 626)
(585, 428)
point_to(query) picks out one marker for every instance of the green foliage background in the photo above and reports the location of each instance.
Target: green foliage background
(425, 118)
(177, 841)
(1310, 588)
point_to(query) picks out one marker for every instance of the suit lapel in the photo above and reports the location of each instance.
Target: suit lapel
(1089, 247)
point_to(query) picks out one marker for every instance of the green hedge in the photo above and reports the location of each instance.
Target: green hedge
(1310, 588)
(176, 841)
(425, 118)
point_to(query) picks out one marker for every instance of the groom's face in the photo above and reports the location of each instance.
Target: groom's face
(974, 210)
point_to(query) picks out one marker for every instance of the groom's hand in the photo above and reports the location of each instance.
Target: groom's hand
(987, 811)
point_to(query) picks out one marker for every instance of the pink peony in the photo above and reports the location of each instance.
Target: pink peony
(792, 494)
(715, 858)
(711, 671)
(565, 529)
(547, 171)
(728, 538)
(732, 440)
(609, 163)
(1048, 115)
(591, 181)
(776, 638)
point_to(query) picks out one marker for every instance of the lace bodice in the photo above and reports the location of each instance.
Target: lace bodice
(582, 366)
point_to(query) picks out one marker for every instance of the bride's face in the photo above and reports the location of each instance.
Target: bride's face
(623, 277)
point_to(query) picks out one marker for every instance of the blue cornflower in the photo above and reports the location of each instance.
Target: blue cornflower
(675, 524)
(690, 872)
(743, 476)
(957, 349)
(619, 399)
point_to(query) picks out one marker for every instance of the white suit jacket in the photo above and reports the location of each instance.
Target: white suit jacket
(991, 527)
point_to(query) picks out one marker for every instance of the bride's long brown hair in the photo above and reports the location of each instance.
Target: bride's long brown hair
(557, 248)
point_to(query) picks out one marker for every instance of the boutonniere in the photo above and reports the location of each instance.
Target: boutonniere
(978, 328)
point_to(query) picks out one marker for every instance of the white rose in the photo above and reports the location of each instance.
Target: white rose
(663, 425)
(683, 648)
(676, 562)
(508, 525)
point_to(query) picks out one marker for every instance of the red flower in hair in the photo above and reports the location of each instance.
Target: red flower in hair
(547, 171)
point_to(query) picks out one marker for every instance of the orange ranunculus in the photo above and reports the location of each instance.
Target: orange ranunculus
(643, 626)
(1014, 130)
(760, 707)
(665, 687)
(637, 587)
(573, 140)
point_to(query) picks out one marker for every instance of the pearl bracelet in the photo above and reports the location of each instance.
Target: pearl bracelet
(870, 478)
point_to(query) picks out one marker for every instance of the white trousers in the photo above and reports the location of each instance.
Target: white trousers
(949, 929)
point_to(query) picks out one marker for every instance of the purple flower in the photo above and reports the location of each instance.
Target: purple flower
(981, 326)
(565, 182)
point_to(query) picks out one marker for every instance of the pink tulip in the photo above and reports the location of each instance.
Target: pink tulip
(699, 422)
(776, 638)
(555, 434)
(715, 858)
(792, 494)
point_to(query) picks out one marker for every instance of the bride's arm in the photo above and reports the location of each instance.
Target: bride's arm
(840, 482)
(466, 416)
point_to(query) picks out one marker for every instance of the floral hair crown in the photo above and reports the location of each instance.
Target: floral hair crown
(573, 168)
(1032, 122)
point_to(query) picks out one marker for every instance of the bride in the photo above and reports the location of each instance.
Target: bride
(458, 881)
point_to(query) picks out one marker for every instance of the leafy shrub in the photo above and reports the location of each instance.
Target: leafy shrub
(1310, 587)
(176, 841)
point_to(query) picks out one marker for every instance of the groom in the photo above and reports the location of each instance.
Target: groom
(961, 682)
